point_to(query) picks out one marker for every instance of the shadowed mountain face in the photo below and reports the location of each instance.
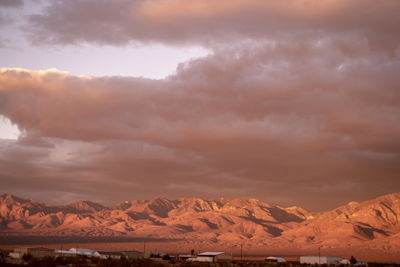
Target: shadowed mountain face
(247, 221)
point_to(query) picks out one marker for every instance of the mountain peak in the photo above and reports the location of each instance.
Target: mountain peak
(11, 199)
(390, 197)
(84, 206)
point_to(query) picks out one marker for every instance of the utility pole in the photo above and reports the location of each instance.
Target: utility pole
(319, 255)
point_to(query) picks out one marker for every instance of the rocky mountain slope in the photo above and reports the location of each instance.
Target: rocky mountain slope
(228, 222)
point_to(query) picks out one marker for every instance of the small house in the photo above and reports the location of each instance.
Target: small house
(275, 259)
(212, 257)
(329, 260)
(34, 252)
(64, 253)
(185, 257)
(132, 254)
(108, 255)
(83, 251)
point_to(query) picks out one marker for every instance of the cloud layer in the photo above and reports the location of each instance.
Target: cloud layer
(297, 102)
(212, 22)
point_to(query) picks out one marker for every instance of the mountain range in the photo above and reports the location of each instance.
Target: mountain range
(372, 224)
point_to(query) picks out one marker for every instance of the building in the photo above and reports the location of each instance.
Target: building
(64, 253)
(275, 259)
(108, 255)
(83, 251)
(361, 263)
(329, 260)
(34, 252)
(212, 257)
(16, 255)
(132, 254)
(154, 255)
(185, 257)
(344, 262)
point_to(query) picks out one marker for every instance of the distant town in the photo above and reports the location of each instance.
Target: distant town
(42, 256)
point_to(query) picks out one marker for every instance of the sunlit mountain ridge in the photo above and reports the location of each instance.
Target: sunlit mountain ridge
(372, 223)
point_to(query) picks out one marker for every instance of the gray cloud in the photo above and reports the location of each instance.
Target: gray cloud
(212, 23)
(11, 3)
(283, 121)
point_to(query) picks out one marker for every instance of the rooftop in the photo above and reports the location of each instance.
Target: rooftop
(210, 253)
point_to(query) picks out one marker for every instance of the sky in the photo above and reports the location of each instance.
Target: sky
(291, 102)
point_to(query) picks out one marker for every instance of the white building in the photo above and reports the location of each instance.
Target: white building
(132, 254)
(329, 260)
(64, 253)
(361, 263)
(16, 255)
(185, 257)
(108, 255)
(275, 259)
(83, 251)
(212, 257)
